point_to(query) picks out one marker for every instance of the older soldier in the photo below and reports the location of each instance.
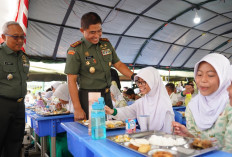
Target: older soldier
(14, 68)
(91, 59)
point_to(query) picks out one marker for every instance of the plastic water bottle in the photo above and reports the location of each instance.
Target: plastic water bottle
(98, 126)
(188, 98)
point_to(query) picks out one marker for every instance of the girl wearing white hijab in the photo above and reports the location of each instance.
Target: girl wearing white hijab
(155, 102)
(209, 115)
(62, 93)
(117, 97)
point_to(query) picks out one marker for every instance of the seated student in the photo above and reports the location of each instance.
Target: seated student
(116, 96)
(62, 93)
(54, 86)
(155, 102)
(209, 114)
(189, 88)
(170, 87)
(130, 95)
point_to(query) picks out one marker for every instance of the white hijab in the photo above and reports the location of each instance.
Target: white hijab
(156, 102)
(206, 109)
(62, 92)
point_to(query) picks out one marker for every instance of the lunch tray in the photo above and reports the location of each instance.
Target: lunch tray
(121, 127)
(51, 114)
(177, 151)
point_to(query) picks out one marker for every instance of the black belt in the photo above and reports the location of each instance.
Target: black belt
(13, 99)
(105, 90)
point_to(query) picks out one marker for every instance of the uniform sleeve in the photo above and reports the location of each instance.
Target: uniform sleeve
(190, 122)
(115, 58)
(126, 112)
(168, 123)
(228, 132)
(72, 62)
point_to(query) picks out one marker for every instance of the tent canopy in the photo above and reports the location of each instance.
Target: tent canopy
(159, 33)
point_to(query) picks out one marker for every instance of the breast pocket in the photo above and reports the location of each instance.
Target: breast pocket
(8, 69)
(107, 55)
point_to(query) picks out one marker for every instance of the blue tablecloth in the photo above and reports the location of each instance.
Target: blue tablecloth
(80, 144)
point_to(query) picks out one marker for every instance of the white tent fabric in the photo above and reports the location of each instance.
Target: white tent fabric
(158, 33)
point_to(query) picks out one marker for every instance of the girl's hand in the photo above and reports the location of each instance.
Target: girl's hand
(181, 130)
(108, 110)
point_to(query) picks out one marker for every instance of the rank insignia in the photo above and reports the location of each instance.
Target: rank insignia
(71, 52)
(110, 64)
(104, 39)
(75, 44)
(87, 63)
(9, 76)
(86, 53)
(105, 45)
(24, 59)
(94, 60)
(92, 70)
(101, 46)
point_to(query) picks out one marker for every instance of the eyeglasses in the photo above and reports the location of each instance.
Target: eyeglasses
(141, 83)
(22, 37)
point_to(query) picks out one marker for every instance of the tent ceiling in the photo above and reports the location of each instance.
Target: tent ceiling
(158, 33)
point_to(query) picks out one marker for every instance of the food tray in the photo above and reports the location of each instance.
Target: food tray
(118, 127)
(52, 114)
(177, 151)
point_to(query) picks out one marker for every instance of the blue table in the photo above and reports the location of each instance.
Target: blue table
(80, 144)
(179, 108)
(49, 126)
(28, 118)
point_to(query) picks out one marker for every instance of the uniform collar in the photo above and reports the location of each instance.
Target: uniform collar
(8, 50)
(87, 43)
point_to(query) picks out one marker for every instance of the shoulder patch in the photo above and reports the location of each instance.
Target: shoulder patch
(71, 52)
(75, 44)
(104, 39)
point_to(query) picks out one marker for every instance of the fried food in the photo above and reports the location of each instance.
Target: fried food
(162, 154)
(201, 144)
(133, 147)
(144, 148)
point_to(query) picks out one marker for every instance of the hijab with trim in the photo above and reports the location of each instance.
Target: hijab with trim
(206, 109)
(156, 102)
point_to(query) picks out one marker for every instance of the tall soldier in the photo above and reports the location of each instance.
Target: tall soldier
(14, 68)
(91, 59)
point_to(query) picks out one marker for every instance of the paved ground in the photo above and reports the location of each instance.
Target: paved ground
(26, 143)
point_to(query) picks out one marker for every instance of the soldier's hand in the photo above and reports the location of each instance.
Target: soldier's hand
(108, 110)
(79, 114)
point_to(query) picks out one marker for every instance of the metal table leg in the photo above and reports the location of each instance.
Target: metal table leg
(53, 146)
(43, 146)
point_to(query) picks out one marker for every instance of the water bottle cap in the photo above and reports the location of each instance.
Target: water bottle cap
(97, 106)
(101, 100)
